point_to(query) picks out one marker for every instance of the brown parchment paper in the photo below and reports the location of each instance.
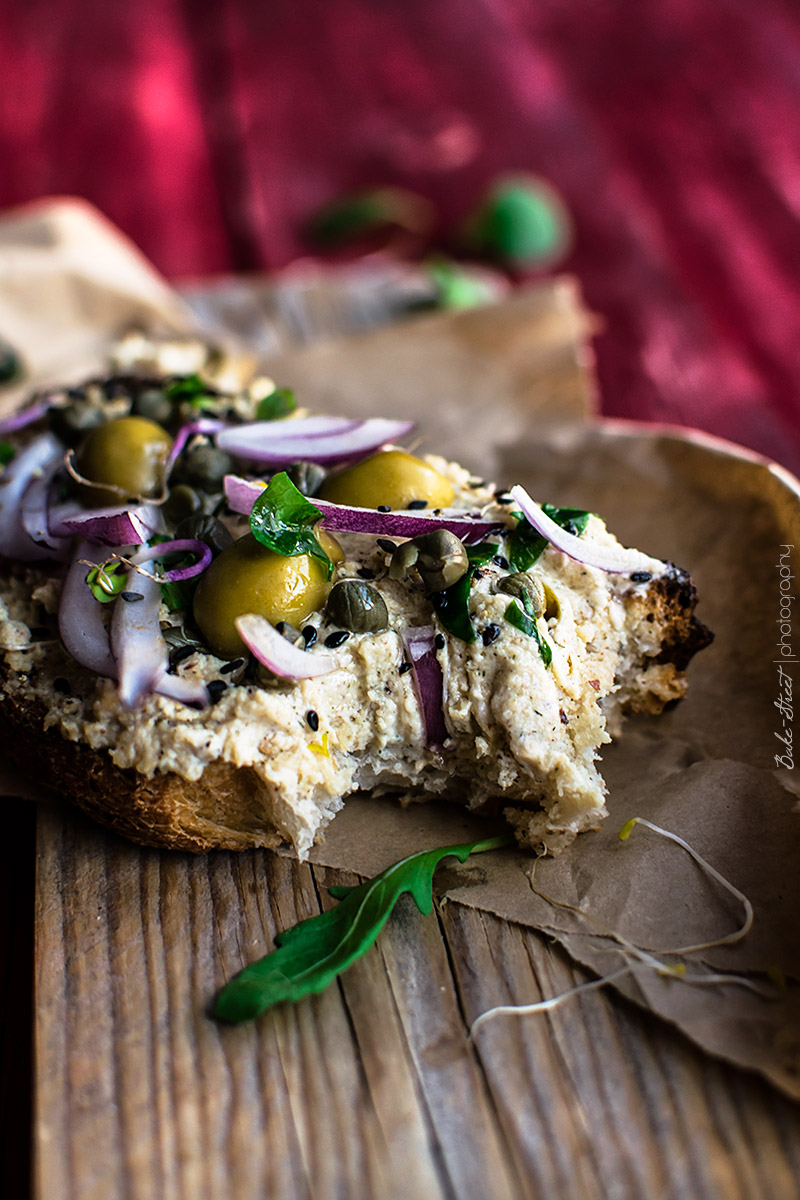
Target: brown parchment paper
(488, 387)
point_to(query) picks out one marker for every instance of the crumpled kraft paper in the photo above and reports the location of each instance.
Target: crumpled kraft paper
(487, 387)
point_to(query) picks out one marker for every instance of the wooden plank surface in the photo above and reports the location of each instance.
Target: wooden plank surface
(371, 1089)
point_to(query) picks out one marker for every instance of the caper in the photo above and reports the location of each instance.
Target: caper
(248, 578)
(203, 466)
(357, 606)
(403, 559)
(129, 455)
(72, 422)
(205, 528)
(181, 502)
(442, 559)
(390, 478)
(154, 404)
(307, 477)
(524, 587)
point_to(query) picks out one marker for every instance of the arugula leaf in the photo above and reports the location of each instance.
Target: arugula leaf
(527, 623)
(7, 453)
(311, 954)
(525, 545)
(279, 403)
(190, 389)
(282, 520)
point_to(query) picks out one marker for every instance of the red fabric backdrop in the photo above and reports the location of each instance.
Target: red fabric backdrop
(210, 130)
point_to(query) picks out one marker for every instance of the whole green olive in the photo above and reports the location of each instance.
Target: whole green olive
(129, 455)
(357, 606)
(390, 477)
(248, 578)
(524, 587)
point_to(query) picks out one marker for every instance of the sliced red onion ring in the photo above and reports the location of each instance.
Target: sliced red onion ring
(80, 618)
(185, 691)
(258, 442)
(205, 425)
(35, 460)
(242, 494)
(34, 511)
(591, 554)
(28, 416)
(117, 526)
(280, 656)
(428, 682)
(179, 546)
(137, 644)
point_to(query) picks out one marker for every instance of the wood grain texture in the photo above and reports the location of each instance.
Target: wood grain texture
(371, 1089)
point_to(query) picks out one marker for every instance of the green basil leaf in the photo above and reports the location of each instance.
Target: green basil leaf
(7, 453)
(277, 404)
(521, 222)
(452, 608)
(480, 554)
(525, 545)
(311, 954)
(523, 621)
(282, 520)
(190, 389)
(364, 214)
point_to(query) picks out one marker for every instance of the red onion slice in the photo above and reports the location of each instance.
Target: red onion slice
(32, 462)
(138, 646)
(186, 691)
(242, 494)
(428, 682)
(280, 656)
(205, 425)
(591, 554)
(34, 511)
(116, 526)
(80, 619)
(28, 416)
(258, 442)
(178, 546)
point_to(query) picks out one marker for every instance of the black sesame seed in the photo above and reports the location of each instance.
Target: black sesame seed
(477, 483)
(405, 668)
(418, 504)
(563, 716)
(387, 545)
(281, 626)
(183, 652)
(641, 577)
(62, 687)
(230, 667)
(384, 508)
(336, 639)
(131, 597)
(437, 512)
(365, 572)
(309, 635)
(490, 634)
(439, 641)
(215, 689)
(313, 720)
(503, 498)
(501, 561)
(477, 573)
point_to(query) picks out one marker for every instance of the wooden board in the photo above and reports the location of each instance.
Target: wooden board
(371, 1089)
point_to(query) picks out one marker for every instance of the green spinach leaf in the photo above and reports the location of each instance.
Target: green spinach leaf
(525, 545)
(311, 954)
(452, 605)
(282, 520)
(191, 390)
(277, 404)
(526, 621)
(7, 453)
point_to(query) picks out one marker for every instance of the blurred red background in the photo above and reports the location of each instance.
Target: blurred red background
(210, 131)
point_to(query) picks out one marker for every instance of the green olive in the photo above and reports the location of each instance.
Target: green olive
(129, 455)
(248, 578)
(390, 477)
(355, 605)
